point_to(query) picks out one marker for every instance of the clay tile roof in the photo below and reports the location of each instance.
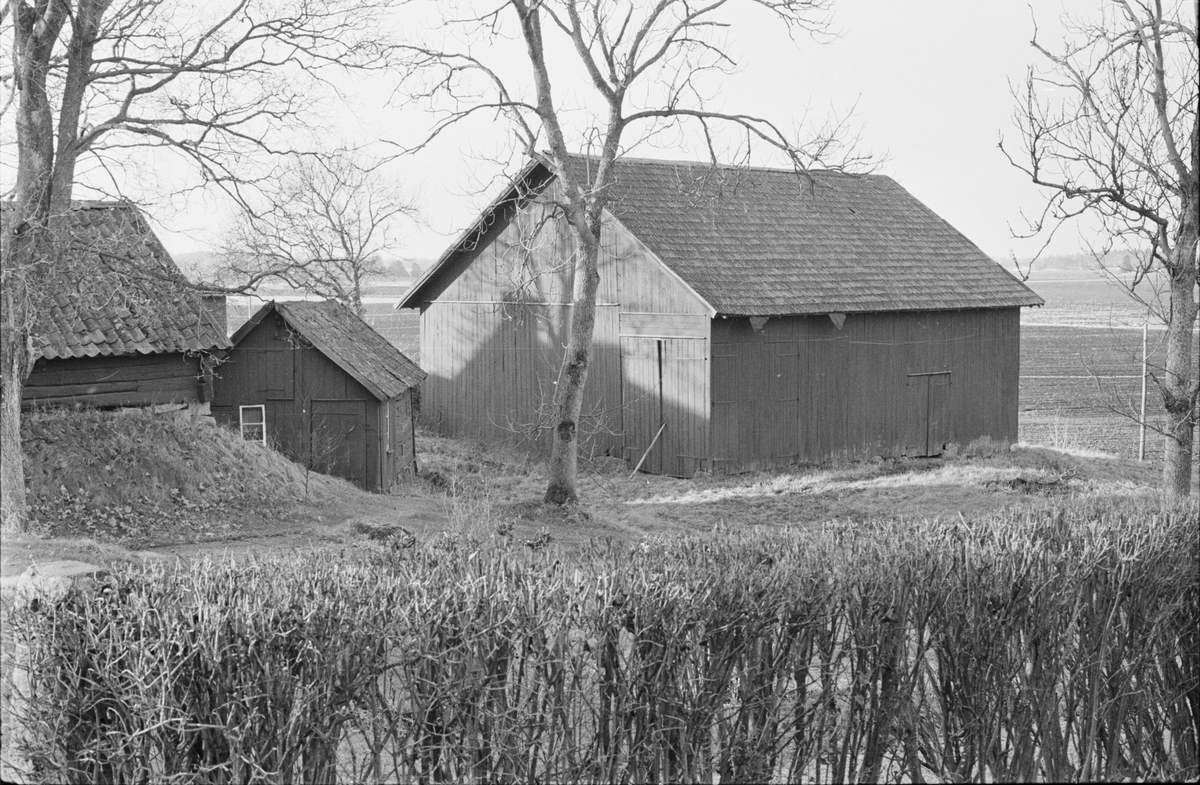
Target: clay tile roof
(349, 342)
(124, 294)
(766, 242)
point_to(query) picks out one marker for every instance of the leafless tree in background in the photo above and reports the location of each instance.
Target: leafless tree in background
(326, 223)
(94, 84)
(647, 67)
(1109, 129)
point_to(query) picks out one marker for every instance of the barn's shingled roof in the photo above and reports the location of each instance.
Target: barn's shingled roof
(348, 341)
(119, 292)
(767, 242)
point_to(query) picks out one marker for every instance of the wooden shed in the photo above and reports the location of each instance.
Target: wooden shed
(130, 332)
(753, 316)
(316, 382)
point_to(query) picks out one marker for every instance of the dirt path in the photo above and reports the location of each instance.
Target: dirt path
(340, 520)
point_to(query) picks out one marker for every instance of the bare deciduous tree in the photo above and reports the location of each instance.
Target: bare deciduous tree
(325, 225)
(219, 85)
(1109, 129)
(645, 65)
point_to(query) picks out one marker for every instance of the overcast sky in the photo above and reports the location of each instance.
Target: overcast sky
(929, 81)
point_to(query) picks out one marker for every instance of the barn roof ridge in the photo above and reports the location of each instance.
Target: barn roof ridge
(757, 241)
(348, 341)
(641, 159)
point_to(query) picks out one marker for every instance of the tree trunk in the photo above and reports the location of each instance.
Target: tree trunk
(14, 354)
(1179, 387)
(568, 398)
(84, 30)
(35, 31)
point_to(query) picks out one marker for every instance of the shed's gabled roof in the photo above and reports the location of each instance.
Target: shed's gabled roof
(767, 242)
(121, 293)
(348, 341)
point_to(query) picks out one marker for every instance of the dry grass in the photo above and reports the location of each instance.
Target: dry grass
(846, 654)
(107, 485)
(479, 500)
(493, 489)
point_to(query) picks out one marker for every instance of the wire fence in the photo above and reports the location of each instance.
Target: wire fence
(1081, 389)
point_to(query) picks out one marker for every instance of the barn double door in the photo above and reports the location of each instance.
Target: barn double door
(663, 395)
(928, 413)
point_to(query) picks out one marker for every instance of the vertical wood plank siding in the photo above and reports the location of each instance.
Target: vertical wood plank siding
(300, 389)
(494, 334)
(803, 390)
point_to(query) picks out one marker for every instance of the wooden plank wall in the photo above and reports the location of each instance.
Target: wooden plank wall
(801, 390)
(642, 403)
(271, 368)
(492, 372)
(493, 339)
(666, 384)
(400, 451)
(124, 380)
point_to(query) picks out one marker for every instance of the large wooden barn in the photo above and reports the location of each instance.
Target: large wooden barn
(129, 332)
(315, 381)
(753, 316)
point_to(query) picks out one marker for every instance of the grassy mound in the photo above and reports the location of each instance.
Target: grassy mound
(119, 475)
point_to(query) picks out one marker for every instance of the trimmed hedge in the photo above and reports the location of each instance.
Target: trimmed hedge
(1059, 646)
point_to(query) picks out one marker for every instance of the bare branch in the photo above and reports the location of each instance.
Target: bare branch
(324, 229)
(643, 63)
(1111, 131)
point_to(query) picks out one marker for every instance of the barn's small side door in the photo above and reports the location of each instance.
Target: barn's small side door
(928, 413)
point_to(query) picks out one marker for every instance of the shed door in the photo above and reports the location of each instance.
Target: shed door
(929, 413)
(664, 387)
(338, 440)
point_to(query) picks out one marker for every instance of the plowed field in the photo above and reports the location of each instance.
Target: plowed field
(1081, 368)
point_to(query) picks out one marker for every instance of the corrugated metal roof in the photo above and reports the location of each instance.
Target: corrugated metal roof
(348, 341)
(767, 242)
(126, 294)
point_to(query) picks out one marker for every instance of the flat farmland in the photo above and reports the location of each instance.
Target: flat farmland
(1080, 386)
(1078, 298)
(1081, 366)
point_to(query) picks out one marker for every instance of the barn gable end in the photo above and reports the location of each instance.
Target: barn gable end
(495, 313)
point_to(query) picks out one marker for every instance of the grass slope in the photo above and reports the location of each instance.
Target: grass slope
(133, 480)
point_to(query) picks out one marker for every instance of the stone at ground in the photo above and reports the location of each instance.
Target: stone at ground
(48, 583)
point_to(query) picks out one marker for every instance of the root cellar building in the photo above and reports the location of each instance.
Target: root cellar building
(315, 381)
(752, 316)
(125, 329)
